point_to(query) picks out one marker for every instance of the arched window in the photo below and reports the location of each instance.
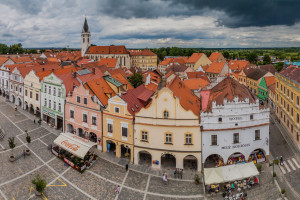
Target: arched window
(166, 114)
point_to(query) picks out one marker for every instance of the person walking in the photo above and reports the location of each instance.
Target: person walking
(118, 189)
(126, 167)
(175, 172)
(34, 121)
(281, 160)
(181, 173)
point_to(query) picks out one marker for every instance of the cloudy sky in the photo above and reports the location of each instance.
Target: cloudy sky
(152, 23)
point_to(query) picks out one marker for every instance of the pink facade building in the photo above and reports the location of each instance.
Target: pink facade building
(83, 116)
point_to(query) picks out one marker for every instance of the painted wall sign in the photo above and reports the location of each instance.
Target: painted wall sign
(235, 146)
(67, 144)
(235, 118)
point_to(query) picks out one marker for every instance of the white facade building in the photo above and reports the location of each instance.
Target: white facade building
(238, 125)
(16, 87)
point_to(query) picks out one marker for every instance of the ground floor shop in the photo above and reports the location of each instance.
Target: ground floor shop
(85, 132)
(163, 159)
(75, 151)
(53, 119)
(119, 149)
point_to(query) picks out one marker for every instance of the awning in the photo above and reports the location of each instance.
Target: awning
(229, 173)
(74, 144)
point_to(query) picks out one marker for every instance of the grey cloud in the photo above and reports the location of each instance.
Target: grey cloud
(26, 6)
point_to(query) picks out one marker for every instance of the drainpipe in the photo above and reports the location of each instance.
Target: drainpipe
(133, 138)
(101, 110)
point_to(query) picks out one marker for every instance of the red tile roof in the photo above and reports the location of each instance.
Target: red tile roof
(3, 60)
(145, 52)
(270, 80)
(109, 62)
(188, 100)
(137, 98)
(228, 88)
(22, 60)
(195, 57)
(69, 81)
(196, 84)
(89, 77)
(107, 50)
(214, 56)
(199, 74)
(180, 60)
(215, 67)
(52, 59)
(238, 65)
(292, 72)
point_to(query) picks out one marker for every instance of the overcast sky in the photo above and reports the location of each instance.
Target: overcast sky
(152, 23)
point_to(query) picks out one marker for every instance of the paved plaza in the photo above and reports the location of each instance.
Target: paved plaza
(99, 182)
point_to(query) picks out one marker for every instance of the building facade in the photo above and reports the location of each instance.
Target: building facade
(287, 100)
(4, 81)
(196, 60)
(32, 93)
(143, 59)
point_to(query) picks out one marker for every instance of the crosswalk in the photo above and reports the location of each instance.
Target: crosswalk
(289, 165)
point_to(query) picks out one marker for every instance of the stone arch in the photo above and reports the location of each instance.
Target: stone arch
(212, 160)
(19, 102)
(145, 158)
(190, 162)
(236, 158)
(70, 128)
(257, 150)
(168, 160)
(93, 137)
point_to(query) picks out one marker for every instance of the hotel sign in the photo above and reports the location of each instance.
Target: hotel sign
(235, 146)
(235, 118)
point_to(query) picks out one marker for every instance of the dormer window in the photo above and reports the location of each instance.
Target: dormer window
(166, 114)
(117, 110)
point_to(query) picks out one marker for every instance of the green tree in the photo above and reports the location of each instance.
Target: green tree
(3, 49)
(226, 54)
(252, 57)
(279, 66)
(136, 79)
(266, 59)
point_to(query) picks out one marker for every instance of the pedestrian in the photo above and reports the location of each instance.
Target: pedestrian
(34, 121)
(126, 167)
(165, 178)
(181, 173)
(118, 189)
(175, 172)
(108, 147)
(281, 160)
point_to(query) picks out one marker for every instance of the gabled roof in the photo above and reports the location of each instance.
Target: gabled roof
(177, 68)
(269, 80)
(86, 75)
(292, 72)
(3, 60)
(272, 88)
(137, 98)
(145, 52)
(22, 60)
(199, 74)
(256, 74)
(52, 59)
(237, 65)
(180, 60)
(101, 89)
(107, 50)
(228, 88)
(214, 56)
(196, 83)
(109, 62)
(69, 81)
(215, 67)
(113, 81)
(268, 68)
(195, 57)
(188, 100)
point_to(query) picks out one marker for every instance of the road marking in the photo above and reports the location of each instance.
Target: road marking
(282, 169)
(296, 162)
(147, 186)
(3, 195)
(22, 120)
(122, 185)
(63, 184)
(291, 164)
(42, 142)
(32, 188)
(286, 166)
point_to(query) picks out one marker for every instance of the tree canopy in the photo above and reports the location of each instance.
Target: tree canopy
(136, 79)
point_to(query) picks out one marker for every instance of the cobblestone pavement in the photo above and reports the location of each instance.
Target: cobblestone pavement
(99, 182)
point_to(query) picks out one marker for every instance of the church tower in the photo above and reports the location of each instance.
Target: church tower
(85, 38)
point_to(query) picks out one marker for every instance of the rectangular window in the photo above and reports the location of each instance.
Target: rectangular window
(168, 138)
(124, 132)
(277, 85)
(214, 140)
(72, 114)
(85, 101)
(283, 89)
(20, 89)
(292, 96)
(292, 111)
(117, 110)
(49, 91)
(49, 103)
(45, 89)
(288, 92)
(59, 107)
(298, 118)
(26, 93)
(45, 102)
(251, 117)
(94, 121)
(109, 128)
(297, 101)
(78, 99)
(236, 138)
(84, 118)
(257, 134)
(144, 136)
(36, 97)
(54, 91)
(220, 119)
(30, 95)
(54, 105)
(188, 138)
(59, 92)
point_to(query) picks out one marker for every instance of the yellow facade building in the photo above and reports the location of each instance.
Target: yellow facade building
(144, 59)
(254, 78)
(287, 100)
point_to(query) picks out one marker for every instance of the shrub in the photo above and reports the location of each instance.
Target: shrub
(259, 167)
(276, 162)
(28, 138)
(274, 174)
(12, 144)
(40, 184)
(282, 191)
(197, 178)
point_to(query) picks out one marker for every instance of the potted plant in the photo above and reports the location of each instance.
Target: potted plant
(274, 175)
(197, 179)
(28, 139)
(12, 145)
(40, 184)
(126, 155)
(282, 192)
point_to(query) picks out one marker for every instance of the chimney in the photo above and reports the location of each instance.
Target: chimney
(43, 69)
(93, 70)
(52, 70)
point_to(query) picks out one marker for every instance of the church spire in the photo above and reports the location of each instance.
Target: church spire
(85, 28)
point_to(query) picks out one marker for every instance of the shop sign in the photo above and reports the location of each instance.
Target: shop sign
(235, 146)
(49, 113)
(261, 160)
(235, 118)
(69, 162)
(67, 144)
